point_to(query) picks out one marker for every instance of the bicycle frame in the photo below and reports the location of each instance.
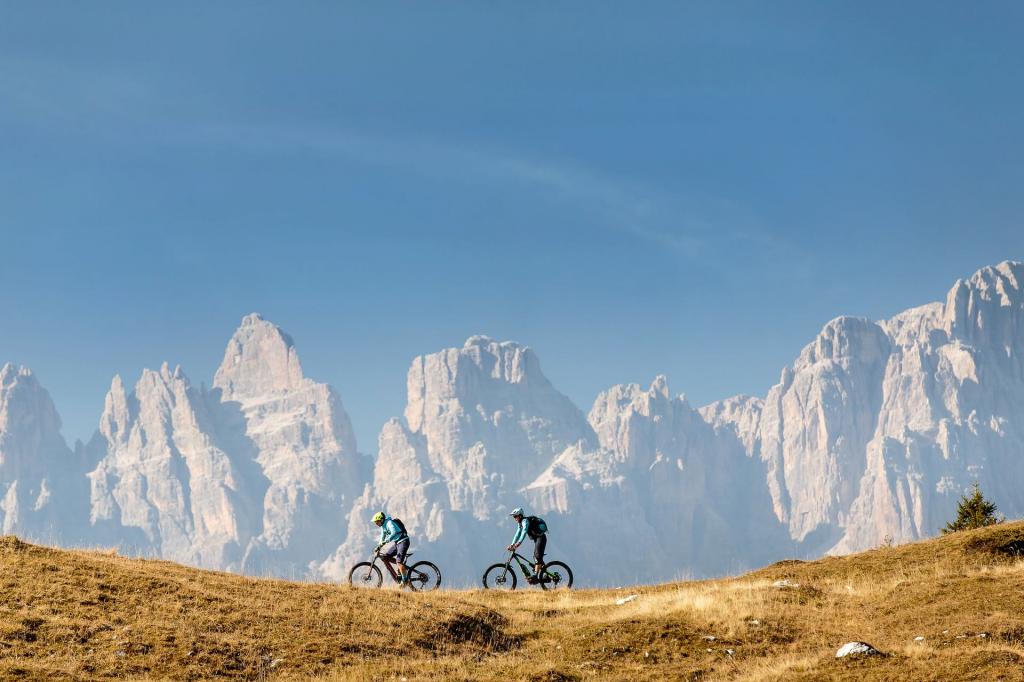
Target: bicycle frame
(524, 564)
(553, 575)
(387, 564)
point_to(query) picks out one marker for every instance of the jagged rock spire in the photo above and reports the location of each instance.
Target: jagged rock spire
(259, 360)
(42, 484)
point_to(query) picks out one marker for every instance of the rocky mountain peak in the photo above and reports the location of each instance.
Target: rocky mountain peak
(483, 376)
(660, 386)
(16, 380)
(622, 400)
(481, 340)
(1004, 281)
(506, 361)
(116, 411)
(41, 489)
(9, 373)
(988, 307)
(844, 339)
(254, 475)
(252, 320)
(259, 360)
(20, 392)
(739, 415)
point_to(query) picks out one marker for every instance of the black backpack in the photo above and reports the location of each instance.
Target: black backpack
(535, 527)
(401, 526)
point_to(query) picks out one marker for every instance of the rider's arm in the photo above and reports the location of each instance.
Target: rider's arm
(520, 533)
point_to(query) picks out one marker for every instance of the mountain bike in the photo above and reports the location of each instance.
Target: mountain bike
(423, 576)
(554, 575)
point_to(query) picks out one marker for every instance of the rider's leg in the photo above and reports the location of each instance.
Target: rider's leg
(388, 554)
(403, 549)
(538, 553)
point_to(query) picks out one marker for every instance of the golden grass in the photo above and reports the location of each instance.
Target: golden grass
(94, 615)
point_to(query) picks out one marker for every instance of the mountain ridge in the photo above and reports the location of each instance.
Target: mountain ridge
(870, 433)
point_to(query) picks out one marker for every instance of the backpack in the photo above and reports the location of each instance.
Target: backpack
(401, 526)
(535, 527)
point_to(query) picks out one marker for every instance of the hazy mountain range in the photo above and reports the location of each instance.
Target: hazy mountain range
(874, 431)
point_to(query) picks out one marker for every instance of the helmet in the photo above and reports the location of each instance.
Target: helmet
(518, 511)
(378, 517)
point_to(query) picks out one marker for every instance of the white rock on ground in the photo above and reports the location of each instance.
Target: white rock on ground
(857, 649)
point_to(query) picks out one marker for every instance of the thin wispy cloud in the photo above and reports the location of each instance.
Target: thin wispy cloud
(709, 231)
(691, 228)
(47, 91)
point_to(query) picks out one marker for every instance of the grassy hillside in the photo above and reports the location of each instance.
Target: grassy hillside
(90, 615)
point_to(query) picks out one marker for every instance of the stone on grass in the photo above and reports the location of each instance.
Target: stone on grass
(857, 649)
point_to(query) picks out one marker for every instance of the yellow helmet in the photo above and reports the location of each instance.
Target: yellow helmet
(378, 517)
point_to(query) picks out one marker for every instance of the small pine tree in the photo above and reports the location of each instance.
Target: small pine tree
(973, 511)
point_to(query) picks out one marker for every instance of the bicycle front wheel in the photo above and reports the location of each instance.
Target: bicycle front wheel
(424, 576)
(556, 576)
(500, 577)
(365, 575)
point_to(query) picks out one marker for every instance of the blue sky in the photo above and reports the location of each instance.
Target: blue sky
(630, 188)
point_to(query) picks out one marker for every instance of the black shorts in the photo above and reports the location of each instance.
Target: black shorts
(396, 550)
(539, 546)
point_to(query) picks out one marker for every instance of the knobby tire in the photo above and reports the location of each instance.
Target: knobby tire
(560, 569)
(365, 575)
(496, 573)
(424, 577)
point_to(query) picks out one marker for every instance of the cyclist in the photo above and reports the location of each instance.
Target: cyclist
(395, 542)
(534, 528)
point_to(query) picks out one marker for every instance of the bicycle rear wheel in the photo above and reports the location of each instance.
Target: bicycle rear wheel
(500, 577)
(424, 576)
(364, 575)
(556, 576)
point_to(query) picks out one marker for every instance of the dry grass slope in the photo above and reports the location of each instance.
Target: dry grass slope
(90, 615)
